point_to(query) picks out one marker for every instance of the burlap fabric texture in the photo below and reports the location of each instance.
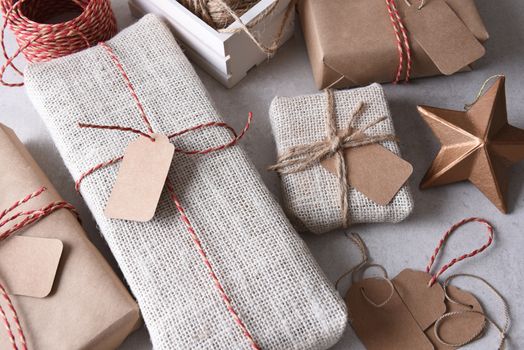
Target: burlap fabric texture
(311, 196)
(273, 282)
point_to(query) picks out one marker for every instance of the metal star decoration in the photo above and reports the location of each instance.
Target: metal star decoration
(477, 145)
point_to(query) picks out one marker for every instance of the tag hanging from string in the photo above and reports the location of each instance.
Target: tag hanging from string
(413, 299)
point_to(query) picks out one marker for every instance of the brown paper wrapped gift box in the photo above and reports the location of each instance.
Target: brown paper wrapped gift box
(352, 42)
(87, 306)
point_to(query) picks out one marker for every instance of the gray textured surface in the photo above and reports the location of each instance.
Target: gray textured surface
(407, 244)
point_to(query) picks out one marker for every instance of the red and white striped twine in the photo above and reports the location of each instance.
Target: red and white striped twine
(29, 217)
(39, 40)
(491, 235)
(185, 219)
(403, 45)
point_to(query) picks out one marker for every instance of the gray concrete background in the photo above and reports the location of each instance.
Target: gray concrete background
(408, 244)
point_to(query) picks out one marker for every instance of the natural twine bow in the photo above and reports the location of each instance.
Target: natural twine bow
(300, 158)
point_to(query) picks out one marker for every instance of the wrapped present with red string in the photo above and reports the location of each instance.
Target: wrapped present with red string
(358, 42)
(56, 289)
(339, 159)
(210, 257)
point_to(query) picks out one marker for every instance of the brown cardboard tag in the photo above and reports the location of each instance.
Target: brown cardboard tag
(28, 265)
(140, 179)
(425, 303)
(407, 320)
(389, 327)
(442, 34)
(374, 171)
(461, 328)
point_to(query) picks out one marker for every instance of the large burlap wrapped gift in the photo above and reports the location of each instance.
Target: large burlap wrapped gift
(312, 196)
(272, 282)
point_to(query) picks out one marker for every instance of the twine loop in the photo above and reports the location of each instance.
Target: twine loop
(442, 242)
(502, 330)
(27, 217)
(468, 106)
(420, 5)
(39, 40)
(302, 157)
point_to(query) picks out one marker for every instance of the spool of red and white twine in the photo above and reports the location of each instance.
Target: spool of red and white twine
(40, 40)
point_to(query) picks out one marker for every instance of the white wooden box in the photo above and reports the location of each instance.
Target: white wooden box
(226, 56)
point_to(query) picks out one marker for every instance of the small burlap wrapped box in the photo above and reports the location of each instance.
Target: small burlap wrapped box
(272, 281)
(311, 197)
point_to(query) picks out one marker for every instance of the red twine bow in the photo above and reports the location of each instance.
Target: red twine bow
(29, 217)
(194, 237)
(491, 234)
(403, 46)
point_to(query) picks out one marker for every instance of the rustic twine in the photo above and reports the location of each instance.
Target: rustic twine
(29, 217)
(215, 12)
(403, 44)
(420, 6)
(491, 235)
(39, 40)
(302, 157)
(468, 106)
(503, 331)
(185, 219)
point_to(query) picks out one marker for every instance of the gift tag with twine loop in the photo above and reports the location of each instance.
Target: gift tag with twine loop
(413, 310)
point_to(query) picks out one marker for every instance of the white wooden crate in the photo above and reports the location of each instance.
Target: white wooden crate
(226, 56)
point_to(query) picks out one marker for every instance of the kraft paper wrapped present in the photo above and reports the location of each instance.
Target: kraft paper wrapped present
(265, 290)
(348, 131)
(357, 42)
(65, 294)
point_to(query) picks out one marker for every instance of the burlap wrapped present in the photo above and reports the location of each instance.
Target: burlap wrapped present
(358, 42)
(281, 298)
(312, 194)
(64, 292)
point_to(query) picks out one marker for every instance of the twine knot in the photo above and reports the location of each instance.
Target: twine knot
(336, 144)
(302, 157)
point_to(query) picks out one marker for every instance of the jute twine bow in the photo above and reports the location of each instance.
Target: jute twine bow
(26, 218)
(299, 158)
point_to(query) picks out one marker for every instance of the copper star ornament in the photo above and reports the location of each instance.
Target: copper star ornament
(477, 145)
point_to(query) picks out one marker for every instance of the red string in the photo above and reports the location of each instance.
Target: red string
(30, 217)
(491, 234)
(402, 41)
(190, 229)
(38, 40)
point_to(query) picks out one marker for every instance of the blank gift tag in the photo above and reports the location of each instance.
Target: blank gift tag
(425, 303)
(442, 35)
(374, 171)
(389, 327)
(140, 179)
(28, 265)
(461, 328)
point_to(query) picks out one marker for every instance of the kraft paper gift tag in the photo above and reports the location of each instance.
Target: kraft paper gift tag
(409, 311)
(28, 265)
(374, 171)
(140, 179)
(378, 308)
(65, 293)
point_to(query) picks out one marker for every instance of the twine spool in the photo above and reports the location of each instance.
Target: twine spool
(39, 39)
(215, 14)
